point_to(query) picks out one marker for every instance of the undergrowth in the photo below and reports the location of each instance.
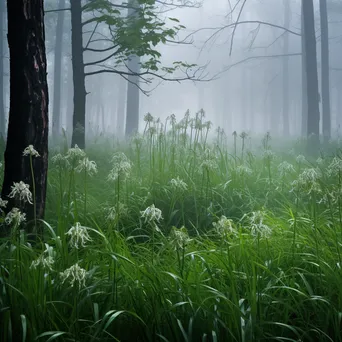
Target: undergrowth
(172, 237)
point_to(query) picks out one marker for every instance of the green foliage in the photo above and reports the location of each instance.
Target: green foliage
(138, 33)
(180, 239)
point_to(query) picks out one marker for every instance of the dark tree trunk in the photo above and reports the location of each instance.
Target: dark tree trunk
(325, 71)
(286, 99)
(56, 119)
(78, 125)
(132, 109)
(28, 117)
(2, 90)
(304, 81)
(311, 76)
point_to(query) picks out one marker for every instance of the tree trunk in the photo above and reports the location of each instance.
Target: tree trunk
(304, 81)
(325, 71)
(121, 107)
(56, 119)
(286, 99)
(70, 104)
(2, 101)
(311, 76)
(28, 117)
(132, 109)
(78, 126)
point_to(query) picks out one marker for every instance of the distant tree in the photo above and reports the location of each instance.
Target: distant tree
(133, 92)
(304, 80)
(325, 74)
(313, 114)
(57, 74)
(286, 98)
(124, 40)
(28, 117)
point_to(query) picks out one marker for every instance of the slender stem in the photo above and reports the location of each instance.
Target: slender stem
(34, 193)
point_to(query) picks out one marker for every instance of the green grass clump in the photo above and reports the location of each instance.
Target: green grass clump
(170, 237)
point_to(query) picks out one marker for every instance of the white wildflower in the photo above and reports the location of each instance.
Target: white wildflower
(22, 191)
(60, 160)
(308, 181)
(285, 168)
(15, 217)
(257, 226)
(121, 167)
(268, 155)
(243, 170)
(209, 164)
(45, 263)
(75, 154)
(78, 235)
(224, 226)
(148, 118)
(151, 214)
(335, 166)
(88, 166)
(300, 159)
(3, 203)
(75, 274)
(137, 139)
(180, 236)
(30, 151)
(178, 184)
(113, 213)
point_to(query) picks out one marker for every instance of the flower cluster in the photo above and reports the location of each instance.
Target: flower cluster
(78, 235)
(178, 185)
(87, 166)
(121, 167)
(151, 214)
(285, 168)
(75, 274)
(15, 216)
(180, 237)
(257, 225)
(30, 151)
(21, 191)
(224, 227)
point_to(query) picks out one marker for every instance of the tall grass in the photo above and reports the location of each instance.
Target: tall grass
(176, 237)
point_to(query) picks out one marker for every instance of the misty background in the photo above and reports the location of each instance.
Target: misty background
(247, 82)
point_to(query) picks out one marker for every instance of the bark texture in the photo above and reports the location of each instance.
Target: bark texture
(2, 102)
(28, 117)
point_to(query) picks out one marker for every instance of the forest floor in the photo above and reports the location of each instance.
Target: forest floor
(172, 238)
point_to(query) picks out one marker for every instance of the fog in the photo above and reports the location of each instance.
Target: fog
(243, 81)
